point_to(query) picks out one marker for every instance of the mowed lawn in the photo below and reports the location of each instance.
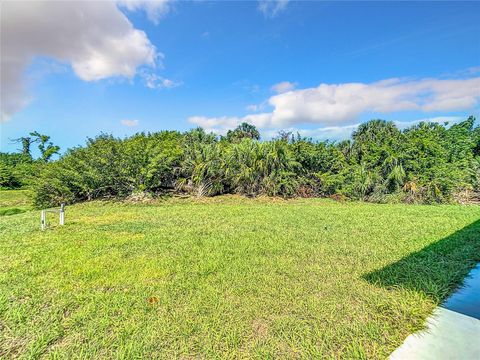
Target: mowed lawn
(14, 202)
(228, 278)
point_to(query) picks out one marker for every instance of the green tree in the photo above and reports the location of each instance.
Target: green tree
(243, 131)
(26, 143)
(46, 147)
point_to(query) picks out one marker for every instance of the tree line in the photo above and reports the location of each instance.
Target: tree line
(426, 163)
(18, 169)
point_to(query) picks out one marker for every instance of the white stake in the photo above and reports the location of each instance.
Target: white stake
(43, 216)
(43, 220)
(62, 214)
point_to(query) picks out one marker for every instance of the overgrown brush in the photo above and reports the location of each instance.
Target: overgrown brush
(427, 163)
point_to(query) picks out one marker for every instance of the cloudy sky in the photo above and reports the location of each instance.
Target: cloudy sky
(73, 69)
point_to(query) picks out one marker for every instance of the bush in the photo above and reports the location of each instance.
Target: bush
(111, 167)
(427, 163)
(17, 171)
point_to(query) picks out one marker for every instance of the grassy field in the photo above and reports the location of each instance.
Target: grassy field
(14, 202)
(228, 278)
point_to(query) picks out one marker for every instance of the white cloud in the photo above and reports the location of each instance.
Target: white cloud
(256, 107)
(330, 104)
(154, 81)
(402, 125)
(271, 8)
(339, 104)
(333, 133)
(129, 123)
(337, 133)
(155, 9)
(94, 37)
(283, 87)
(252, 107)
(220, 125)
(337, 107)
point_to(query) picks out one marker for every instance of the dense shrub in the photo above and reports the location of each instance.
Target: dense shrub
(17, 170)
(426, 163)
(110, 167)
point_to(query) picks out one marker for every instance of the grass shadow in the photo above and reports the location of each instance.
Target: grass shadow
(12, 211)
(437, 269)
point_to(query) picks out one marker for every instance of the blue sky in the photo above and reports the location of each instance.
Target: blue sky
(317, 67)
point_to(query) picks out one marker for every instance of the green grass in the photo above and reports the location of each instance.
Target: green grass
(14, 202)
(228, 278)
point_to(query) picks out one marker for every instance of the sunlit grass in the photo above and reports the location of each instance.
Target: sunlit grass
(14, 202)
(227, 278)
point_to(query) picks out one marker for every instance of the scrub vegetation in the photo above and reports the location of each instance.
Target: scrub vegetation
(228, 277)
(426, 163)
